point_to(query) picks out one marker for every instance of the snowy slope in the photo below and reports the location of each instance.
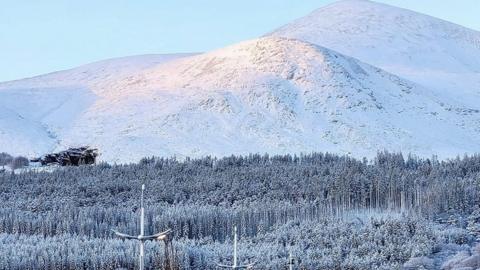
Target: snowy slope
(36, 112)
(297, 90)
(95, 76)
(437, 54)
(271, 95)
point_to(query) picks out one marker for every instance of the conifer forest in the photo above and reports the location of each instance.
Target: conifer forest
(327, 211)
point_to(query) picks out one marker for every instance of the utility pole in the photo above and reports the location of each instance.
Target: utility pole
(142, 237)
(235, 263)
(142, 230)
(290, 260)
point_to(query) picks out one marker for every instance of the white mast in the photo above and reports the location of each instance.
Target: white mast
(235, 256)
(290, 260)
(162, 236)
(142, 230)
(234, 246)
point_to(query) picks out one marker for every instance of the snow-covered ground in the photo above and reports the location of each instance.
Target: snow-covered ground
(416, 88)
(465, 259)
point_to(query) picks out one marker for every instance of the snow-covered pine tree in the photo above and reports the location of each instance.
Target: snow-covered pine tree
(473, 225)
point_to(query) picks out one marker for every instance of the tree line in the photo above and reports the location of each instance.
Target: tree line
(13, 162)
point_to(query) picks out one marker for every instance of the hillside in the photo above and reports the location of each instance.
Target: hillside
(36, 112)
(300, 89)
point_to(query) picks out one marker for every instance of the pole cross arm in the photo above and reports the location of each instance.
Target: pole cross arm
(158, 236)
(247, 266)
(125, 236)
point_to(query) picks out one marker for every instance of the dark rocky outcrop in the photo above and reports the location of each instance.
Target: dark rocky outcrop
(70, 157)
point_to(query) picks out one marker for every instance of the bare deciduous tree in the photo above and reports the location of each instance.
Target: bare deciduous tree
(19, 162)
(5, 159)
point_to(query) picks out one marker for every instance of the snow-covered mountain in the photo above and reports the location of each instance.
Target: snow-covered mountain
(435, 53)
(296, 90)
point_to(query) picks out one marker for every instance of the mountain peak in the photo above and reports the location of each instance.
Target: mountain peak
(394, 39)
(362, 4)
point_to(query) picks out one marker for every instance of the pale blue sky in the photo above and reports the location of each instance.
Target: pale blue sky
(43, 36)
